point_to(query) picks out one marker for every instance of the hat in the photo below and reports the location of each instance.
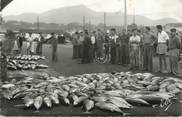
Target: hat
(173, 30)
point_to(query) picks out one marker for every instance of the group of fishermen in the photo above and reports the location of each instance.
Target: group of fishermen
(135, 48)
(34, 45)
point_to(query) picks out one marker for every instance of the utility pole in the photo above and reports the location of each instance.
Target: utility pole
(83, 23)
(38, 29)
(125, 15)
(104, 22)
(89, 25)
(133, 15)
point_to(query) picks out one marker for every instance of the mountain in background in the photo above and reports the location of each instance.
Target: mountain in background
(71, 14)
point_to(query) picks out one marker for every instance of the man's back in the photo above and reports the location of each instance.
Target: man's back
(54, 41)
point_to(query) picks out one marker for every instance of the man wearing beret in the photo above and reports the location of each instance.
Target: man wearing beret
(174, 48)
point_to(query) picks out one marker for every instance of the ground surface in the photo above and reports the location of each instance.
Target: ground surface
(67, 66)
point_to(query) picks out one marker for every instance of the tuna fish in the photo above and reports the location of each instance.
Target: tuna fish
(108, 106)
(88, 104)
(28, 101)
(38, 102)
(74, 98)
(66, 100)
(118, 93)
(120, 102)
(179, 85)
(7, 94)
(136, 101)
(80, 100)
(63, 93)
(54, 97)
(66, 87)
(47, 101)
(99, 98)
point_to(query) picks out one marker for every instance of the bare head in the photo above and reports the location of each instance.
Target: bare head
(147, 29)
(159, 28)
(113, 31)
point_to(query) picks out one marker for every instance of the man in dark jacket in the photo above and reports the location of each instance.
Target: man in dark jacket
(40, 44)
(20, 41)
(86, 48)
(148, 49)
(174, 48)
(54, 42)
(113, 39)
(75, 45)
(124, 48)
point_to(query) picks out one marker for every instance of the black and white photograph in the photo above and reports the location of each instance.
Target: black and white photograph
(91, 58)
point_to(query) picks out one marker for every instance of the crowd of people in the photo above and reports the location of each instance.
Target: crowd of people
(135, 48)
(33, 44)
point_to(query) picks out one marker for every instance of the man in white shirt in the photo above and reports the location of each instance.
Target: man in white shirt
(28, 42)
(162, 48)
(113, 39)
(134, 44)
(92, 48)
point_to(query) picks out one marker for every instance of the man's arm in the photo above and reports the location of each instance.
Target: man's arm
(130, 43)
(154, 39)
(48, 40)
(166, 36)
(178, 43)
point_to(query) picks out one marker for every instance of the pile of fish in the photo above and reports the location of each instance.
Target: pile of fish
(108, 91)
(28, 57)
(24, 65)
(25, 62)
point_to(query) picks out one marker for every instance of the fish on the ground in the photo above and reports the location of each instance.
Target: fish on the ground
(80, 100)
(108, 106)
(120, 102)
(28, 101)
(137, 101)
(47, 101)
(38, 102)
(88, 104)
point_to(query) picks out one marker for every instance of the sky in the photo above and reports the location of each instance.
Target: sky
(154, 9)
